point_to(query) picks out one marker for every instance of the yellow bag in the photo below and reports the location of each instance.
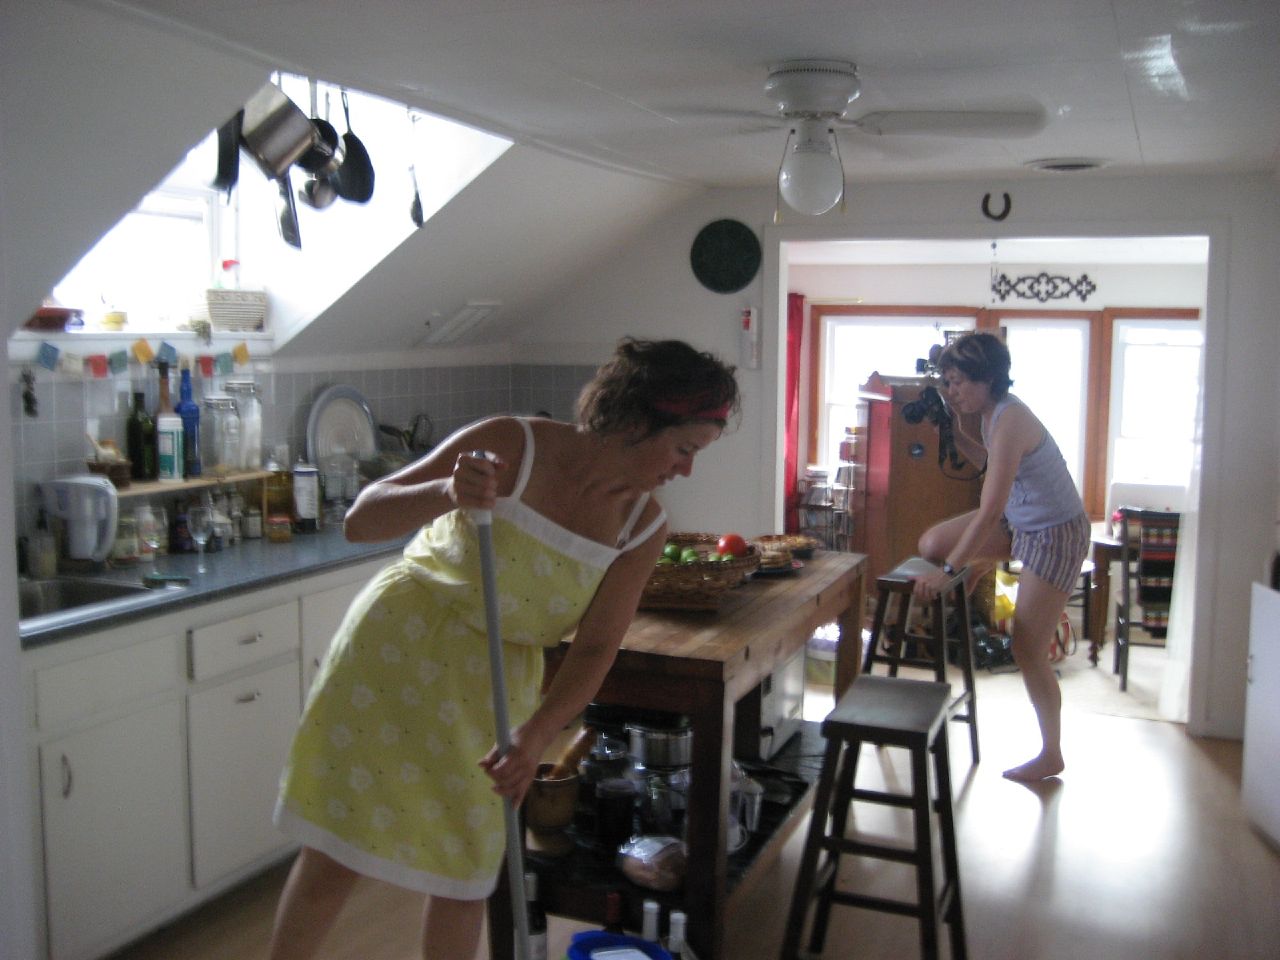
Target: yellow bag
(1006, 594)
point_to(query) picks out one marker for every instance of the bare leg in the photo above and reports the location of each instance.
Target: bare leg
(451, 928)
(938, 541)
(317, 888)
(1035, 618)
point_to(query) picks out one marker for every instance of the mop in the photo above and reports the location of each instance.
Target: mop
(515, 842)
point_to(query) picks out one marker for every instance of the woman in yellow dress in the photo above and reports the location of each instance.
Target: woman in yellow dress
(393, 773)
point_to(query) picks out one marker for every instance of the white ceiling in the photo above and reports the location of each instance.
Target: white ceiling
(1141, 85)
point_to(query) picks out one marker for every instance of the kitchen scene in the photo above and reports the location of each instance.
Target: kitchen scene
(278, 287)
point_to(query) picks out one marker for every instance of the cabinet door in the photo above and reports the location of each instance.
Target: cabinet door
(321, 613)
(115, 828)
(240, 733)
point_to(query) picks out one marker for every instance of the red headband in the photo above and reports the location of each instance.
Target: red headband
(692, 408)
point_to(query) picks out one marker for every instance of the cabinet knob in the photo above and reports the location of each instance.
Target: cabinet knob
(249, 697)
(67, 779)
(256, 638)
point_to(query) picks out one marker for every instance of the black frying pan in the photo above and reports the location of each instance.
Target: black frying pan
(355, 176)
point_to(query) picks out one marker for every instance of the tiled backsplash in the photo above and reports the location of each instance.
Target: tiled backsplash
(54, 443)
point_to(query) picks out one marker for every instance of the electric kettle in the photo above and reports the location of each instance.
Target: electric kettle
(89, 509)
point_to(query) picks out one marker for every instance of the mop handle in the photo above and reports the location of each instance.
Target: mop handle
(515, 842)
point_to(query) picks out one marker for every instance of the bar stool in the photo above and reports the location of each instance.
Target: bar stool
(885, 711)
(895, 591)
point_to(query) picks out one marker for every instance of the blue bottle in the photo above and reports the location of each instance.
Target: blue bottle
(189, 411)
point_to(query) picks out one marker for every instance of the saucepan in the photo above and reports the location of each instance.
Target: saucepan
(275, 132)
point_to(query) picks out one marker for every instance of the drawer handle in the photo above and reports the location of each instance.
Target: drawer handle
(249, 697)
(67, 779)
(256, 638)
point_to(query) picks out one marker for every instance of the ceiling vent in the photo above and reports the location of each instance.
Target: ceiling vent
(1066, 164)
(461, 323)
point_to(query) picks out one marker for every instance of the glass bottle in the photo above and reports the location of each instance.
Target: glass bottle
(140, 440)
(278, 522)
(189, 411)
(169, 455)
(306, 497)
(537, 918)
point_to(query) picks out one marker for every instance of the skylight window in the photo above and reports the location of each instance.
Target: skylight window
(158, 261)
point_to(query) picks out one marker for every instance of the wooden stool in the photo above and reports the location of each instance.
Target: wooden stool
(889, 712)
(895, 634)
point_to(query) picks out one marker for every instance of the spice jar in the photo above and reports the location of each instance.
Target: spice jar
(251, 524)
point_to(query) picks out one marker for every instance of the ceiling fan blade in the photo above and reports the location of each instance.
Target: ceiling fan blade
(952, 123)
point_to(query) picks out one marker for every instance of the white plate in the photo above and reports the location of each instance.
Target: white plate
(340, 422)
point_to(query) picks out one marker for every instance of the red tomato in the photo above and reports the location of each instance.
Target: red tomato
(733, 545)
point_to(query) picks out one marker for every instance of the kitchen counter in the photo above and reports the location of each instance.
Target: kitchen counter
(240, 568)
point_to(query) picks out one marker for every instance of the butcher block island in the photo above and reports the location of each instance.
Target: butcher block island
(700, 664)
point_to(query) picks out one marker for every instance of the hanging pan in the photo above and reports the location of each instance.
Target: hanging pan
(355, 176)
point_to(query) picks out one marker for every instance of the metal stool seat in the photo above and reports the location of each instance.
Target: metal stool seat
(891, 634)
(886, 711)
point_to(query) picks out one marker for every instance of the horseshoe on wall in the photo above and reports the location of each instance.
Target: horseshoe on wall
(986, 207)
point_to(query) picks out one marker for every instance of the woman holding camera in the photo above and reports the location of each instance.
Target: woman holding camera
(1029, 511)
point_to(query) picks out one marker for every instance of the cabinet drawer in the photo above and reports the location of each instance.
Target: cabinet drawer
(70, 691)
(232, 644)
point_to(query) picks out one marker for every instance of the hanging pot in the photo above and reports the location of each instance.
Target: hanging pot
(275, 132)
(323, 160)
(355, 175)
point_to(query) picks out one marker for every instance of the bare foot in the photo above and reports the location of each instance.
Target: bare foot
(1038, 768)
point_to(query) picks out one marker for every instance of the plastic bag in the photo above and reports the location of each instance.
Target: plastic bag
(655, 862)
(1006, 597)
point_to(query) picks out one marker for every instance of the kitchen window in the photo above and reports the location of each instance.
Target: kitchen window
(1118, 388)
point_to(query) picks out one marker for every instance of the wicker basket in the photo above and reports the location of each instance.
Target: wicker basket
(243, 310)
(700, 584)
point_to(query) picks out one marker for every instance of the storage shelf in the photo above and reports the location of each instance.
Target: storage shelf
(157, 488)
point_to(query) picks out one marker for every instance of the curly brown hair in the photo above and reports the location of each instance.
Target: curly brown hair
(981, 357)
(655, 384)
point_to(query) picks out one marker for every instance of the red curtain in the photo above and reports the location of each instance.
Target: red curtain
(791, 422)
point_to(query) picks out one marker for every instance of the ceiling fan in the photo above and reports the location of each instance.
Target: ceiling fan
(814, 95)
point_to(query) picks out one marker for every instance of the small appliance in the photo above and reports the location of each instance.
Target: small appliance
(89, 509)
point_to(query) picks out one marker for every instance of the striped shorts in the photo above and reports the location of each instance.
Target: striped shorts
(1054, 554)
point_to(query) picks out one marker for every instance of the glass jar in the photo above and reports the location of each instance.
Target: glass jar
(249, 407)
(221, 436)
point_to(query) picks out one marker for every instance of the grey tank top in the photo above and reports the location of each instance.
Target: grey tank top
(1043, 493)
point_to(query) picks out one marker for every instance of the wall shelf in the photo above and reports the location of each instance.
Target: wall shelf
(157, 488)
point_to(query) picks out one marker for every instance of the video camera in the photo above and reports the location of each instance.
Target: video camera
(930, 406)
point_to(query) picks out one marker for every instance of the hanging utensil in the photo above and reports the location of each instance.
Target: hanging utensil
(275, 132)
(228, 156)
(287, 213)
(321, 188)
(415, 208)
(515, 835)
(355, 176)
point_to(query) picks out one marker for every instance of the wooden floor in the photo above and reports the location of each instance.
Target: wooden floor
(1140, 850)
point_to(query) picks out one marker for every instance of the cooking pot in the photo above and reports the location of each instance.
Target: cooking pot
(659, 747)
(275, 132)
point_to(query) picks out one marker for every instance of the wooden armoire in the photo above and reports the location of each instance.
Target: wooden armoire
(905, 491)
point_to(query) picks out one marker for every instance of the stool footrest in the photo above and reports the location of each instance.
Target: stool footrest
(917, 662)
(901, 907)
(880, 796)
(864, 848)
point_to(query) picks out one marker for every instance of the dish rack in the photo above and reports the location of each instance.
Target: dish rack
(699, 584)
(239, 310)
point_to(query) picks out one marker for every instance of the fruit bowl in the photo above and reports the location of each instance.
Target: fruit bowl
(697, 584)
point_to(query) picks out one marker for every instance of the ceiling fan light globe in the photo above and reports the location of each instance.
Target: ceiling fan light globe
(811, 179)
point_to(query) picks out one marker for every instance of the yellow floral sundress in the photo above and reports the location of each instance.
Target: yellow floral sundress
(383, 774)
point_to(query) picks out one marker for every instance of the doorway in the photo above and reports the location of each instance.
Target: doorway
(1020, 283)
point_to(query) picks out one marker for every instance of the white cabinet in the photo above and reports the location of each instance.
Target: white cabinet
(240, 731)
(1260, 780)
(321, 613)
(115, 828)
(157, 747)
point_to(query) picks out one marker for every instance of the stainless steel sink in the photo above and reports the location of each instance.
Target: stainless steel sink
(37, 598)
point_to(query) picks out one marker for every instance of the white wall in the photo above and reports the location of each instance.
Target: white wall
(649, 289)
